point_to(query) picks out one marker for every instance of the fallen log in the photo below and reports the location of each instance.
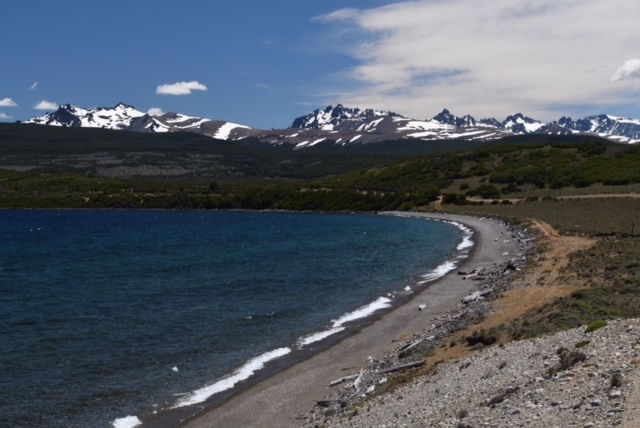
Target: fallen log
(472, 298)
(402, 367)
(406, 348)
(327, 403)
(356, 383)
(342, 380)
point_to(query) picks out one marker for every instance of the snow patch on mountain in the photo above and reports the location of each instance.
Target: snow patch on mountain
(225, 130)
(118, 117)
(329, 118)
(343, 126)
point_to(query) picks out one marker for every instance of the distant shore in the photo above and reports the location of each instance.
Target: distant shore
(284, 398)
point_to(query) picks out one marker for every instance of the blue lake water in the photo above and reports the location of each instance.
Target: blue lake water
(113, 313)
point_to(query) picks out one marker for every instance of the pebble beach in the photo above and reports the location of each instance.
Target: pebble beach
(290, 398)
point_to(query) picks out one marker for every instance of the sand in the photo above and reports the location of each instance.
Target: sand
(283, 399)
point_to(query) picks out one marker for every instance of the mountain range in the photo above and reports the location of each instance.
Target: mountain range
(340, 125)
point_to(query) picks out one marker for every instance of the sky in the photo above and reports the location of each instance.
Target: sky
(264, 63)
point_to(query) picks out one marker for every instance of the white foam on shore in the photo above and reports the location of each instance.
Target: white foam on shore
(317, 337)
(338, 325)
(467, 242)
(363, 312)
(127, 422)
(438, 272)
(243, 373)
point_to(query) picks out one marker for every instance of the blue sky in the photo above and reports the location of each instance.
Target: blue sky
(263, 63)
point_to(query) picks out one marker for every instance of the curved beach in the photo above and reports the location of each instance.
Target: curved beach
(284, 398)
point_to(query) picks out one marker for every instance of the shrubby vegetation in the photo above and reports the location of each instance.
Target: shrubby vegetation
(495, 172)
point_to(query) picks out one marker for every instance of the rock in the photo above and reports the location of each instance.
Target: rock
(501, 397)
(615, 394)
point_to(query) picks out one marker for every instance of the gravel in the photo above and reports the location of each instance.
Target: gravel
(543, 382)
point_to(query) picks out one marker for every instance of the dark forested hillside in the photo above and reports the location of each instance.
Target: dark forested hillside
(92, 168)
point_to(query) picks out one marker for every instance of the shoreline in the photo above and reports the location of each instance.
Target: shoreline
(283, 396)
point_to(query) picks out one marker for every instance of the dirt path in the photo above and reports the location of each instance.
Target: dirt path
(437, 204)
(544, 283)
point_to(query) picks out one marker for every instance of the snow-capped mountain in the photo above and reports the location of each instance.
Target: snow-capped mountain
(616, 128)
(335, 118)
(343, 126)
(126, 117)
(118, 117)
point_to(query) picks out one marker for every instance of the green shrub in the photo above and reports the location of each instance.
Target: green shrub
(595, 326)
(582, 344)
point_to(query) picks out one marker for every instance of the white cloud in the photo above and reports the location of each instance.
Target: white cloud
(488, 58)
(629, 70)
(155, 111)
(8, 102)
(4, 116)
(46, 105)
(180, 88)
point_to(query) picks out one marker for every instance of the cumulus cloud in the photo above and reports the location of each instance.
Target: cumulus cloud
(8, 102)
(488, 58)
(4, 116)
(180, 88)
(155, 111)
(629, 70)
(46, 105)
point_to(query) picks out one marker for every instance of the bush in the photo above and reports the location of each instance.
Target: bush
(483, 337)
(582, 344)
(595, 326)
(487, 191)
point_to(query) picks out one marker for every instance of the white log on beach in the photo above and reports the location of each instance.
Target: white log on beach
(485, 292)
(358, 381)
(342, 380)
(472, 297)
(406, 348)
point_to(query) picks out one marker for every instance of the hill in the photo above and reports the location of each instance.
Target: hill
(97, 168)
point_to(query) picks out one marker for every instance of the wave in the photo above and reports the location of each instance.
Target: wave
(438, 272)
(338, 325)
(317, 337)
(449, 265)
(467, 236)
(243, 373)
(127, 422)
(362, 312)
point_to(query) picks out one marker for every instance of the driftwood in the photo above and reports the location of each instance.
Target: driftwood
(472, 298)
(402, 367)
(404, 350)
(342, 380)
(327, 403)
(477, 295)
(357, 382)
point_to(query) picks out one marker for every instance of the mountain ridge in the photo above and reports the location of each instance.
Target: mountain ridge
(342, 126)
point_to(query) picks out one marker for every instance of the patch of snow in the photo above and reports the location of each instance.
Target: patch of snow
(313, 143)
(225, 130)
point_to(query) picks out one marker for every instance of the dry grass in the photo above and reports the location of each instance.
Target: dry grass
(587, 216)
(544, 283)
